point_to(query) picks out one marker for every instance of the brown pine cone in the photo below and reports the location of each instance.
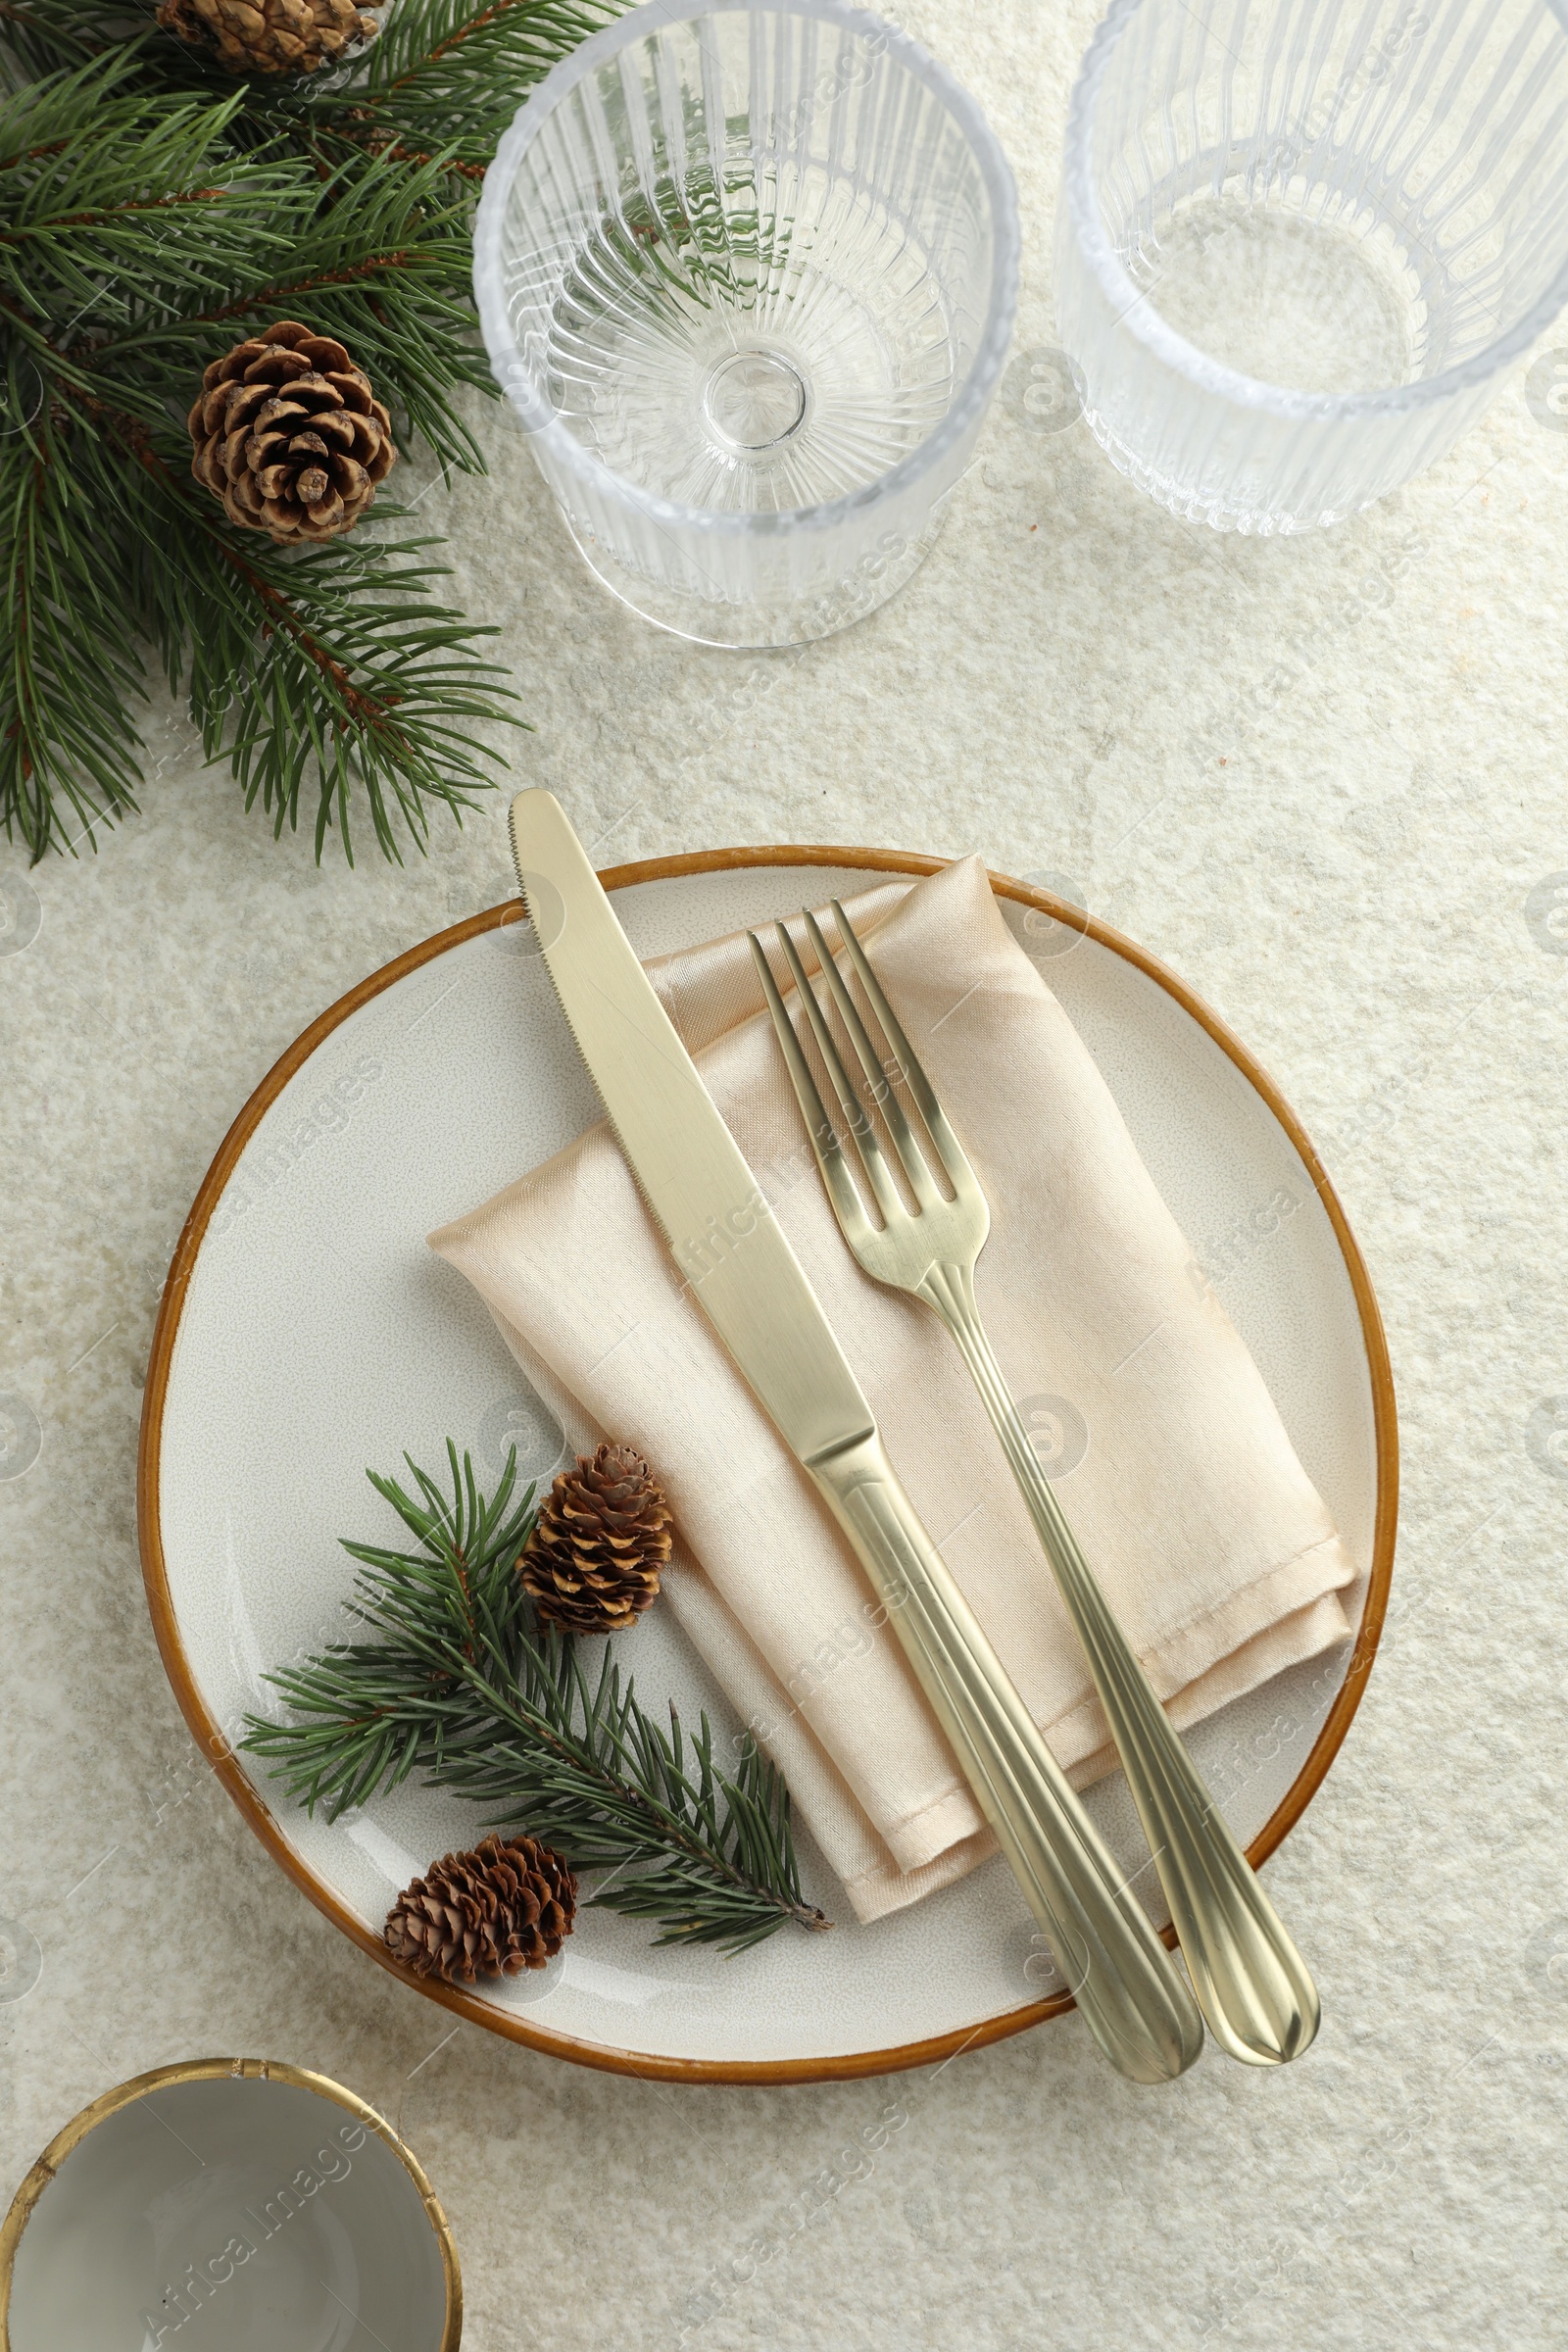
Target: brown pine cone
(602, 1535)
(288, 433)
(508, 1905)
(269, 36)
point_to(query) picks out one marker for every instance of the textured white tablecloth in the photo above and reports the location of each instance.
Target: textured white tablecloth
(1324, 779)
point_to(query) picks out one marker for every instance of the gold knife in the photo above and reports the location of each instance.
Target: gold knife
(1135, 1999)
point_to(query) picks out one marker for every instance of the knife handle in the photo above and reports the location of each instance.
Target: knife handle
(1134, 1997)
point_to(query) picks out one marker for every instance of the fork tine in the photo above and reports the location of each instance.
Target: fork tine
(861, 1132)
(905, 1139)
(955, 1160)
(848, 1205)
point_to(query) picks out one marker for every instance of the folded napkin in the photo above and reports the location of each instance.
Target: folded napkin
(1212, 1544)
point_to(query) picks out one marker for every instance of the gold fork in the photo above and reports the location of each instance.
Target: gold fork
(1251, 1983)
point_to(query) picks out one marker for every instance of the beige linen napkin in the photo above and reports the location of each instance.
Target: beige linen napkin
(1211, 1542)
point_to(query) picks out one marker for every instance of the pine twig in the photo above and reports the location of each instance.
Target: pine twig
(152, 210)
(67, 741)
(337, 663)
(457, 1683)
(447, 77)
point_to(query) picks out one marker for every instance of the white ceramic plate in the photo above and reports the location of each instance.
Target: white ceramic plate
(307, 1332)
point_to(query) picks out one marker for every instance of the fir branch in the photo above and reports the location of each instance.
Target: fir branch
(153, 210)
(447, 77)
(457, 1683)
(42, 36)
(386, 264)
(68, 747)
(378, 255)
(114, 203)
(332, 665)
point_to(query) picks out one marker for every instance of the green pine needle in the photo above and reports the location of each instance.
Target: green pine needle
(447, 76)
(152, 210)
(457, 1681)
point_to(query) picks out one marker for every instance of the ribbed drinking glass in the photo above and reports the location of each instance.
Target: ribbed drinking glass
(1299, 241)
(748, 274)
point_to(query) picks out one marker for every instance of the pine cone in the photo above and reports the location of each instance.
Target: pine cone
(602, 1536)
(288, 433)
(508, 1905)
(269, 36)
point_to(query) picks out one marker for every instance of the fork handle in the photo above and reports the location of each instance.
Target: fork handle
(1134, 1997)
(1251, 1983)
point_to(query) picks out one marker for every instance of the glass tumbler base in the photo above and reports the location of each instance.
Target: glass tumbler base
(1221, 511)
(758, 627)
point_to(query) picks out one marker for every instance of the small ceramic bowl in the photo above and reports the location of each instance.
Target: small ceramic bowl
(227, 2205)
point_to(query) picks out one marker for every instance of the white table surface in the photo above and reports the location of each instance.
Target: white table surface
(1322, 778)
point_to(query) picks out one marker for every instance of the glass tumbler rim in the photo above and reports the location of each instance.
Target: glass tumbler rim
(1137, 314)
(1002, 302)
